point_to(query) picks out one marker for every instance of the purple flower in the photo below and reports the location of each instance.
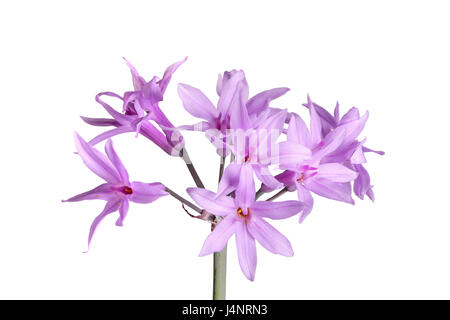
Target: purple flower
(245, 218)
(327, 179)
(351, 152)
(140, 106)
(256, 148)
(233, 93)
(118, 190)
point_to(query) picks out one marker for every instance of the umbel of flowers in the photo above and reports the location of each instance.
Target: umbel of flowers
(269, 148)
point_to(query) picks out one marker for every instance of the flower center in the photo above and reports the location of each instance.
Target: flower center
(127, 190)
(243, 215)
(300, 178)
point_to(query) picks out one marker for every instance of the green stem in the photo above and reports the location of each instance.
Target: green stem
(220, 274)
(220, 259)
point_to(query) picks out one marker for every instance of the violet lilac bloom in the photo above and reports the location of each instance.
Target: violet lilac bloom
(327, 179)
(256, 148)
(233, 92)
(351, 151)
(140, 106)
(245, 218)
(118, 190)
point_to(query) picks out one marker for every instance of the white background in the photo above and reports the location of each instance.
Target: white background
(388, 57)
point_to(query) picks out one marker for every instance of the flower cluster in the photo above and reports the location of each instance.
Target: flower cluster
(269, 147)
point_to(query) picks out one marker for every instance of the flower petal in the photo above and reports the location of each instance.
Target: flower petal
(260, 102)
(164, 82)
(114, 158)
(276, 210)
(96, 161)
(292, 154)
(196, 103)
(110, 207)
(330, 143)
(138, 81)
(123, 210)
(246, 249)
(328, 122)
(147, 192)
(335, 172)
(245, 190)
(365, 149)
(109, 134)
(217, 239)
(121, 118)
(358, 156)
(206, 199)
(102, 192)
(331, 190)
(315, 125)
(232, 83)
(269, 237)
(265, 176)
(361, 186)
(306, 198)
(298, 131)
(354, 128)
(100, 122)
(230, 179)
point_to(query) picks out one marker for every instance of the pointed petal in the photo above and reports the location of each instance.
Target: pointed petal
(358, 156)
(114, 158)
(219, 85)
(315, 125)
(196, 103)
(246, 249)
(331, 190)
(239, 118)
(306, 198)
(361, 186)
(260, 102)
(330, 143)
(123, 211)
(265, 176)
(164, 82)
(276, 210)
(335, 172)
(336, 113)
(102, 192)
(328, 122)
(96, 161)
(245, 190)
(267, 133)
(206, 199)
(232, 83)
(138, 81)
(349, 116)
(121, 118)
(217, 239)
(110, 207)
(292, 154)
(109, 134)
(298, 131)
(230, 179)
(146, 192)
(269, 237)
(149, 131)
(354, 128)
(287, 178)
(100, 122)
(365, 149)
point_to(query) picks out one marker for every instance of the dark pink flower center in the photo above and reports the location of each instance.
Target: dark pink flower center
(127, 190)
